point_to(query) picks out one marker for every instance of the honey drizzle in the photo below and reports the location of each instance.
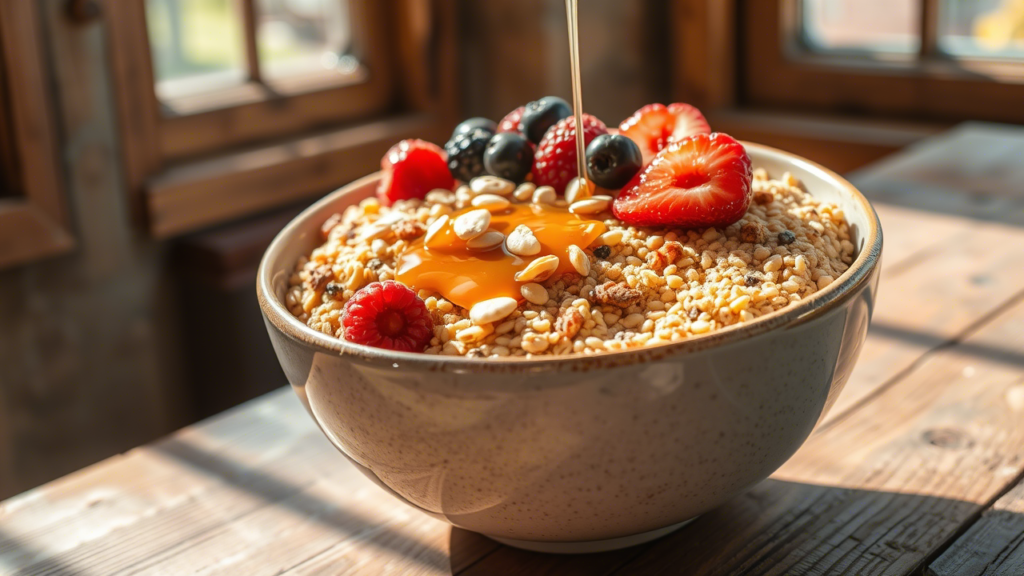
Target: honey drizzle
(572, 15)
(465, 277)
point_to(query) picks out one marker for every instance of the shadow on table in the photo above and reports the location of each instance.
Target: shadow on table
(793, 529)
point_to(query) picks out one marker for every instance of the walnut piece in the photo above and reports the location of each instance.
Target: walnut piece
(753, 232)
(616, 294)
(569, 323)
(408, 230)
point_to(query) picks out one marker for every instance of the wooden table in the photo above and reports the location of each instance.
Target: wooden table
(918, 469)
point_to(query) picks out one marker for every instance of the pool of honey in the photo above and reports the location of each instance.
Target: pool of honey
(464, 277)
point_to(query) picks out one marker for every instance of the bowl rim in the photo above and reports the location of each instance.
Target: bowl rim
(836, 294)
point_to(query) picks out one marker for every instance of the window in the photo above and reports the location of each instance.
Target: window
(936, 60)
(234, 106)
(33, 221)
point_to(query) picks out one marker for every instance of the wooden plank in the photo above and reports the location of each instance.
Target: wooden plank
(930, 297)
(994, 545)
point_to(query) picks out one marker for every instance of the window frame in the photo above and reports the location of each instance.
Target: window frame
(191, 171)
(779, 71)
(34, 221)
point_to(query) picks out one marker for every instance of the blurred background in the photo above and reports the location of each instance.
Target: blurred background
(150, 150)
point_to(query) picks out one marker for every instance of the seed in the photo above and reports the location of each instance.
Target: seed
(472, 224)
(578, 259)
(491, 185)
(740, 303)
(540, 269)
(534, 293)
(611, 238)
(786, 238)
(524, 193)
(486, 241)
(534, 343)
(594, 205)
(440, 196)
(492, 202)
(825, 281)
(522, 242)
(472, 334)
(700, 327)
(492, 310)
(544, 195)
(436, 227)
(578, 189)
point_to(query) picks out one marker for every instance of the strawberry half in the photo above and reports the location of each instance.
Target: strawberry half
(655, 126)
(698, 182)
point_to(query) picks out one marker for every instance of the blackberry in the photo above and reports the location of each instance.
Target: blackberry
(466, 153)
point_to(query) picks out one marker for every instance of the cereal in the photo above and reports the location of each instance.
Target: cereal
(631, 288)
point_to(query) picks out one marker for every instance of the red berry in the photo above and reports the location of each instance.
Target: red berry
(510, 123)
(698, 182)
(655, 126)
(554, 164)
(388, 315)
(411, 169)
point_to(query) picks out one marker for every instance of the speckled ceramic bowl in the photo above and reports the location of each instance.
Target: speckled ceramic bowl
(588, 453)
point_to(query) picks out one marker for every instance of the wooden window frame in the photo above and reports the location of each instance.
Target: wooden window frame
(275, 149)
(781, 71)
(34, 222)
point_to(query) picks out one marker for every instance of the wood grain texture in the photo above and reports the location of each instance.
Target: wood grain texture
(994, 545)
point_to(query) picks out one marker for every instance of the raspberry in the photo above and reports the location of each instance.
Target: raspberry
(388, 315)
(411, 169)
(510, 123)
(555, 162)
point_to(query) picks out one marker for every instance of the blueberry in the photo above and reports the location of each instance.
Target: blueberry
(474, 123)
(786, 238)
(509, 156)
(613, 160)
(602, 252)
(466, 153)
(541, 115)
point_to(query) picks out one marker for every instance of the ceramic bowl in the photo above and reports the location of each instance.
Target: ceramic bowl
(582, 453)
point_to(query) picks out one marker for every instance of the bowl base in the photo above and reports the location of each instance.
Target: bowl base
(591, 546)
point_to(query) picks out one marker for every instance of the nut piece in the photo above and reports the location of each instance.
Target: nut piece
(522, 242)
(436, 227)
(540, 269)
(491, 185)
(534, 293)
(569, 323)
(594, 205)
(763, 197)
(754, 233)
(486, 241)
(492, 310)
(524, 193)
(409, 230)
(492, 202)
(610, 238)
(616, 294)
(578, 189)
(544, 195)
(578, 259)
(472, 224)
(440, 196)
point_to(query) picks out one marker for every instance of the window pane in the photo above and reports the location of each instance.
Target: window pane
(197, 45)
(302, 36)
(862, 25)
(985, 28)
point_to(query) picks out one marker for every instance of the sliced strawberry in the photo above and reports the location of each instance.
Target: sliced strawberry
(654, 126)
(510, 123)
(411, 169)
(554, 164)
(698, 182)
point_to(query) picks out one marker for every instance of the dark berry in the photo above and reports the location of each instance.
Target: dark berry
(509, 156)
(613, 160)
(786, 238)
(388, 315)
(602, 252)
(466, 153)
(541, 115)
(468, 126)
(750, 281)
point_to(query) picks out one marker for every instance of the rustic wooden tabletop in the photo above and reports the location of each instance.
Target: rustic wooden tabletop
(917, 470)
